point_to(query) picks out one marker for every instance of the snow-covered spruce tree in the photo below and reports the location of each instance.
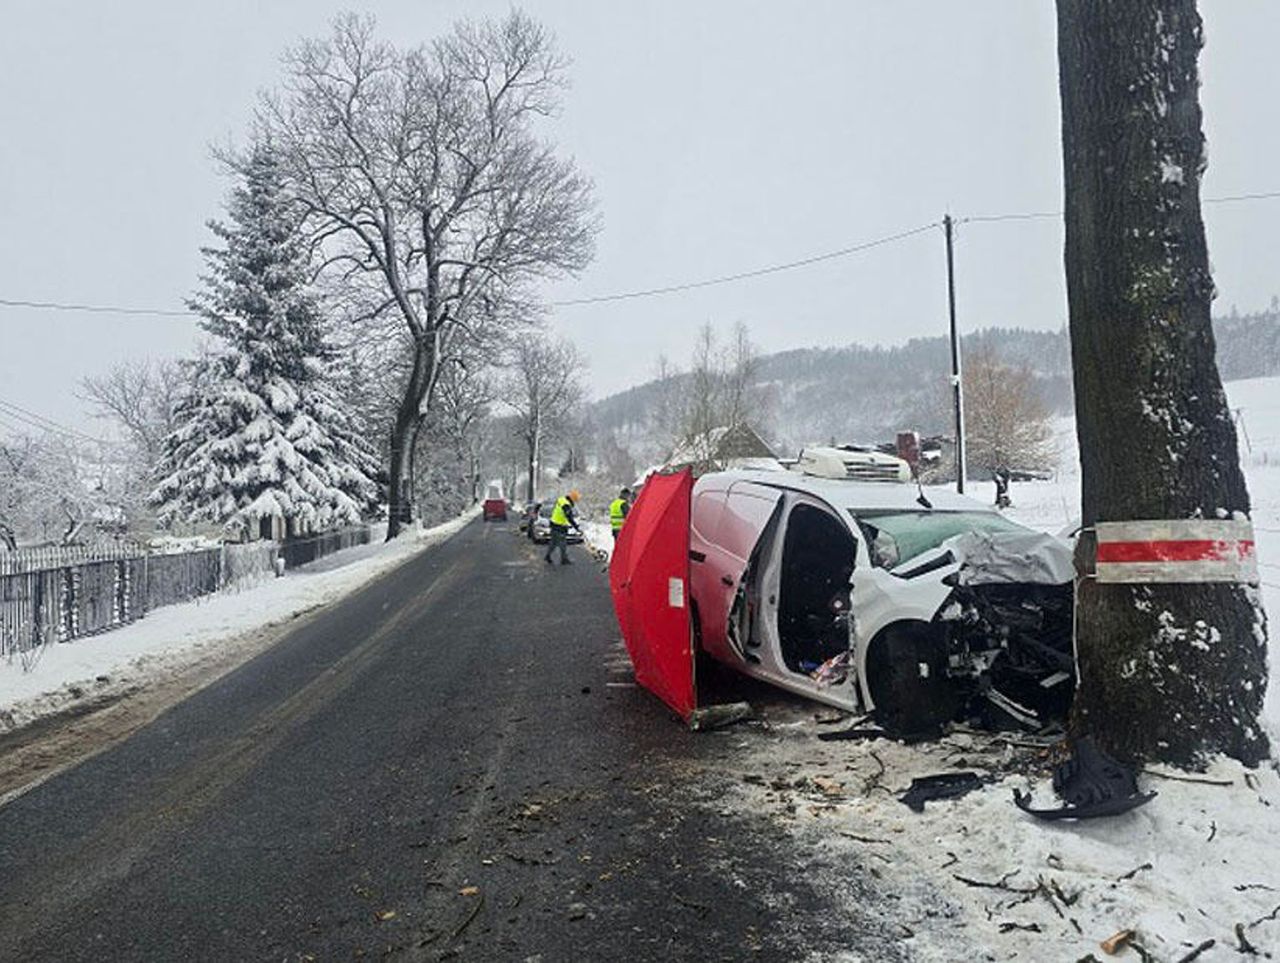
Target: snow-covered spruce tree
(1172, 672)
(259, 431)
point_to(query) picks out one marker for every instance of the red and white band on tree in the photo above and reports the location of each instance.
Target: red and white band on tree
(1177, 550)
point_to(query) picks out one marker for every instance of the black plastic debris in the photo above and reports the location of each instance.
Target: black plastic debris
(945, 785)
(858, 732)
(1092, 784)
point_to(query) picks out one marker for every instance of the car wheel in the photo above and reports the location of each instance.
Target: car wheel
(907, 679)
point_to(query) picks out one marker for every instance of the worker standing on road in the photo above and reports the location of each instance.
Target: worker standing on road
(618, 509)
(562, 517)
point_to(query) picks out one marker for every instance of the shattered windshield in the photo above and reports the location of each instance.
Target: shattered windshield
(897, 537)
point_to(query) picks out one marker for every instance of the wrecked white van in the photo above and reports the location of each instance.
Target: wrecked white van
(869, 596)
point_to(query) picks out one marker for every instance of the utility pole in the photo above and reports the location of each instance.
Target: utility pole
(957, 392)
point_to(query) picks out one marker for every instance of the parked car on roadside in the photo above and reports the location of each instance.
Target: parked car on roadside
(527, 515)
(540, 529)
(866, 595)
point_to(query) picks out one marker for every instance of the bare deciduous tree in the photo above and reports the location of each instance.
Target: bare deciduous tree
(741, 367)
(51, 489)
(545, 386)
(1006, 422)
(426, 185)
(138, 396)
(464, 396)
(720, 389)
(1168, 671)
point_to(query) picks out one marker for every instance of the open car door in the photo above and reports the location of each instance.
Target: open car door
(649, 580)
(722, 553)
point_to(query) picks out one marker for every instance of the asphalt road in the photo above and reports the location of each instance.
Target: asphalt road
(433, 768)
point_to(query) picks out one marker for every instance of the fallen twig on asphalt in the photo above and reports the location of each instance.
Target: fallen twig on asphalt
(1114, 943)
(1133, 872)
(873, 781)
(1009, 927)
(1066, 900)
(1242, 942)
(528, 860)
(1000, 884)
(1194, 954)
(1265, 919)
(470, 916)
(699, 908)
(1043, 890)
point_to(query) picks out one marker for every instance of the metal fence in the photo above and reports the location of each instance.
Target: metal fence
(59, 594)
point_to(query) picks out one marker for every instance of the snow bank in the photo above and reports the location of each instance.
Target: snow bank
(176, 636)
(599, 538)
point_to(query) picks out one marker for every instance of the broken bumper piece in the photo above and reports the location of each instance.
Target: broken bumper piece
(1092, 784)
(946, 785)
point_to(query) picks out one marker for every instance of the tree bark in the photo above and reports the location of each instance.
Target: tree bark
(1172, 672)
(403, 436)
(531, 487)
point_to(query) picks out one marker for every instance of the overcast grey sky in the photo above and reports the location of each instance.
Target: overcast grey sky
(722, 136)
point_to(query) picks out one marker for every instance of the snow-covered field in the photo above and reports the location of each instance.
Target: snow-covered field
(172, 638)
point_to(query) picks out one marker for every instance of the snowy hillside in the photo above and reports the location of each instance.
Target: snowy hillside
(866, 393)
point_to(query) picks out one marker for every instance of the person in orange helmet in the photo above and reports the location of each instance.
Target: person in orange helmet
(562, 516)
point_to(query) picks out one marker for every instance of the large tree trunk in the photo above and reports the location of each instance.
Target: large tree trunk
(1167, 671)
(531, 487)
(404, 433)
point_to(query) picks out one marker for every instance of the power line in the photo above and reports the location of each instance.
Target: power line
(650, 292)
(1025, 216)
(1036, 215)
(34, 420)
(1269, 195)
(758, 272)
(93, 308)
(672, 288)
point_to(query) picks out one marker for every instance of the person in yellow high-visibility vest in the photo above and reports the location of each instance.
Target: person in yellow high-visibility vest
(562, 517)
(618, 509)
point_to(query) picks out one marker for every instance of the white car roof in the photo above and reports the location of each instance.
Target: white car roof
(873, 496)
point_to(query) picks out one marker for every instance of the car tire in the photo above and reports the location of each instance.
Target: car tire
(907, 680)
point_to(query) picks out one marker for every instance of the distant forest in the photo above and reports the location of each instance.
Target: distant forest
(858, 393)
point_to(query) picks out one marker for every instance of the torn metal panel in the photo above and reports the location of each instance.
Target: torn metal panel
(1026, 557)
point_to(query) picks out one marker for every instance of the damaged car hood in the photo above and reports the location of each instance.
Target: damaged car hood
(997, 558)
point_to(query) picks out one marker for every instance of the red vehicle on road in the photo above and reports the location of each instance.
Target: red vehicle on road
(495, 504)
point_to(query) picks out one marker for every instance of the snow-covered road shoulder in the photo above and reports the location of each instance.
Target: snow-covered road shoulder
(598, 537)
(225, 627)
(976, 878)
